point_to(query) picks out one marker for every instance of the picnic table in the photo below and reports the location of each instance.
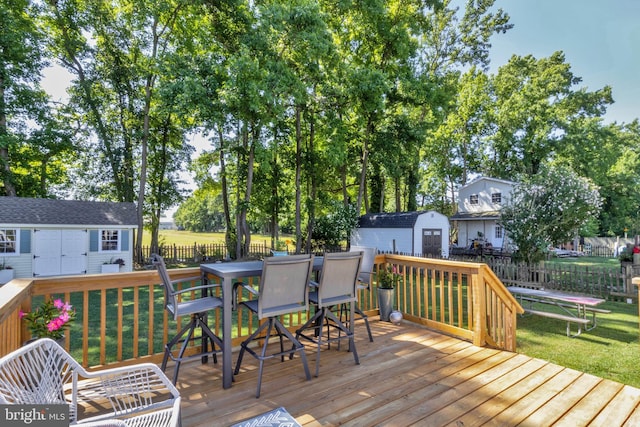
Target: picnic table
(574, 308)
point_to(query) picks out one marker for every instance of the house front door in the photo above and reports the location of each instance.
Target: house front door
(59, 252)
(432, 241)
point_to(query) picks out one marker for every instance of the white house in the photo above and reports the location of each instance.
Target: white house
(479, 204)
(46, 237)
(418, 233)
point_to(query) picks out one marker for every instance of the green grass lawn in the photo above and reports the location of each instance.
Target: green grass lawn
(182, 238)
(592, 261)
(610, 350)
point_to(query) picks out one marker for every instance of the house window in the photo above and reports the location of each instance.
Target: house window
(498, 234)
(9, 241)
(109, 240)
(473, 199)
(496, 198)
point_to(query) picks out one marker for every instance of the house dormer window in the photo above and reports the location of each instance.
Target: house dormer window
(496, 198)
(473, 199)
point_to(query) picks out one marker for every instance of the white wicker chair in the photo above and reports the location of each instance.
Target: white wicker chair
(42, 372)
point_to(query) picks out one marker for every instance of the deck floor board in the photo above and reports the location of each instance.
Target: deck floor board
(409, 376)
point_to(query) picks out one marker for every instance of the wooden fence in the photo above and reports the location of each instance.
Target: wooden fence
(200, 252)
(610, 283)
(211, 252)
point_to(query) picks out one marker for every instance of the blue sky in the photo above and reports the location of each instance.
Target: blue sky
(600, 40)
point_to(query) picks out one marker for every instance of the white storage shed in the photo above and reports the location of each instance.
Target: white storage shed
(47, 237)
(416, 233)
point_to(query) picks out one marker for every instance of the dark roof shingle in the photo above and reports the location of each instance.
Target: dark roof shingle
(22, 210)
(390, 220)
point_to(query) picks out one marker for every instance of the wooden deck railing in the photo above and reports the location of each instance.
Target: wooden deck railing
(457, 298)
(121, 318)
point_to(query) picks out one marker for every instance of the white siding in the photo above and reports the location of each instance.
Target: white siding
(435, 220)
(383, 238)
(483, 188)
(406, 240)
(23, 264)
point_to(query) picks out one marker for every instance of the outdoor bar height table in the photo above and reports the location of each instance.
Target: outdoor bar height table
(228, 272)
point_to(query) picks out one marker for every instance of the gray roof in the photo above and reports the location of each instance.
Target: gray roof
(390, 220)
(475, 216)
(21, 210)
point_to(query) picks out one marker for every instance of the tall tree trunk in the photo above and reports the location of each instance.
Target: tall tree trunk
(365, 158)
(297, 181)
(396, 182)
(244, 236)
(225, 194)
(314, 184)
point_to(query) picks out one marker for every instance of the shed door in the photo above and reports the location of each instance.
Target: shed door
(73, 252)
(59, 252)
(432, 241)
(46, 252)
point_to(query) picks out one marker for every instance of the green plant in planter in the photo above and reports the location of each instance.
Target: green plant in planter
(118, 261)
(281, 245)
(388, 277)
(625, 256)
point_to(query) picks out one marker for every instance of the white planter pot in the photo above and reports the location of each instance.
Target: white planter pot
(110, 268)
(6, 275)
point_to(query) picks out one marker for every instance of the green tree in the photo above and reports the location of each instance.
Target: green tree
(117, 51)
(535, 102)
(201, 212)
(23, 101)
(454, 104)
(548, 208)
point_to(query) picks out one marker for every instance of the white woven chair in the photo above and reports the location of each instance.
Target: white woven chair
(42, 372)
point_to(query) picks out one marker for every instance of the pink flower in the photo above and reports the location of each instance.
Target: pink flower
(21, 314)
(53, 326)
(58, 304)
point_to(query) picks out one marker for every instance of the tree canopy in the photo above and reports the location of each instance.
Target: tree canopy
(375, 106)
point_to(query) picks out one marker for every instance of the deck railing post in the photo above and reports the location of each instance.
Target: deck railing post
(479, 305)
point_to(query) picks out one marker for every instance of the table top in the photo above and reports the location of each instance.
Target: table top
(571, 298)
(235, 269)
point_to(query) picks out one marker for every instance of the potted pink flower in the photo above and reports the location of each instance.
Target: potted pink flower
(50, 319)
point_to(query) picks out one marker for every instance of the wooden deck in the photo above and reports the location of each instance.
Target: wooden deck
(410, 376)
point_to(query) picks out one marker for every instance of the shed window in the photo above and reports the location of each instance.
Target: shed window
(109, 240)
(496, 198)
(9, 241)
(473, 199)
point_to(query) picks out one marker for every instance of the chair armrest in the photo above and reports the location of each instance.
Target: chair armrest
(194, 288)
(313, 283)
(236, 285)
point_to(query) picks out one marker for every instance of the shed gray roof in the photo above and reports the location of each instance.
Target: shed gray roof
(22, 210)
(390, 220)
